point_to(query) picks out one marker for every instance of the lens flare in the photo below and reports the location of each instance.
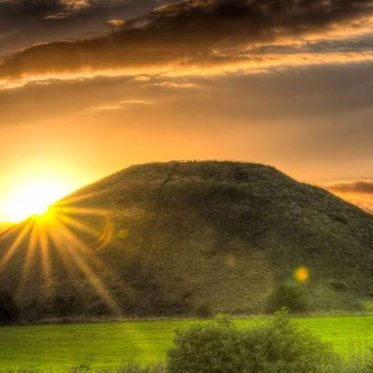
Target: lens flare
(302, 274)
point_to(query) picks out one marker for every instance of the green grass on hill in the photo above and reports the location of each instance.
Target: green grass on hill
(57, 348)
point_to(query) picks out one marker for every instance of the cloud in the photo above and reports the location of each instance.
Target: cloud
(24, 23)
(32, 9)
(120, 105)
(176, 84)
(76, 4)
(358, 192)
(356, 187)
(204, 37)
(116, 22)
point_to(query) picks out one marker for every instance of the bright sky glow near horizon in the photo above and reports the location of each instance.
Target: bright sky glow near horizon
(31, 191)
(89, 88)
(33, 199)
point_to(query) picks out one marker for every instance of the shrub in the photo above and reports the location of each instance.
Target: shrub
(290, 296)
(9, 311)
(211, 348)
(274, 346)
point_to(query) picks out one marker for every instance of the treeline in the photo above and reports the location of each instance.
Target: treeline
(289, 295)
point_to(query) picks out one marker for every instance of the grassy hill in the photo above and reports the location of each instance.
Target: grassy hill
(187, 238)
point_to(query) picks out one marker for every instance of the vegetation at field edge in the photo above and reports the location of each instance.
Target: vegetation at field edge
(105, 346)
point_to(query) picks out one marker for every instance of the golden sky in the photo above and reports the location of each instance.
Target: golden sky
(88, 87)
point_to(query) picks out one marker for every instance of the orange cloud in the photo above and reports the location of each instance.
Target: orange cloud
(116, 23)
(358, 192)
(200, 37)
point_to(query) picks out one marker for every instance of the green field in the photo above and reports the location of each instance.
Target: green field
(56, 348)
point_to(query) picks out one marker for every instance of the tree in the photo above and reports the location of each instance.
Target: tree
(290, 296)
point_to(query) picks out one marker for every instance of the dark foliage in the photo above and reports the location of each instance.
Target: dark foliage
(9, 311)
(290, 296)
(275, 346)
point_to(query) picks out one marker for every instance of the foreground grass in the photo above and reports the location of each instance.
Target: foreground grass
(57, 348)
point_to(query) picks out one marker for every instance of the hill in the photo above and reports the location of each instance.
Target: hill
(5, 226)
(186, 238)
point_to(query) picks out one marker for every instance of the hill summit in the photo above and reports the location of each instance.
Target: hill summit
(181, 238)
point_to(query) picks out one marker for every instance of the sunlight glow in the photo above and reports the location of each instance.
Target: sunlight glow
(54, 235)
(33, 199)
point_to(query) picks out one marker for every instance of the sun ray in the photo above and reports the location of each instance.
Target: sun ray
(6, 233)
(97, 264)
(59, 243)
(45, 255)
(29, 260)
(96, 282)
(74, 223)
(58, 230)
(103, 239)
(15, 245)
(79, 245)
(70, 200)
(77, 252)
(68, 210)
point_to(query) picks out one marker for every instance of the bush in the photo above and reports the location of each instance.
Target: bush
(9, 311)
(274, 346)
(290, 296)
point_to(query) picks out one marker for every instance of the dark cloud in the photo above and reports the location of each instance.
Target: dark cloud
(26, 22)
(255, 20)
(193, 35)
(17, 12)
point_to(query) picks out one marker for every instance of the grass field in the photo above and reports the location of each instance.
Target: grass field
(57, 348)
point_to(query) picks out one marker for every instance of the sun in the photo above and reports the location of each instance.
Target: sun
(53, 230)
(33, 199)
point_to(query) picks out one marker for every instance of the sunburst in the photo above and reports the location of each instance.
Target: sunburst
(58, 228)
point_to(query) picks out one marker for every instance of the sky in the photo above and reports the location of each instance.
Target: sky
(89, 87)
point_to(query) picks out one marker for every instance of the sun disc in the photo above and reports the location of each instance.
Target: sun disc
(33, 199)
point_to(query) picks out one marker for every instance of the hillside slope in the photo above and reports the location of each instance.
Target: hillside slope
(180, 238)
